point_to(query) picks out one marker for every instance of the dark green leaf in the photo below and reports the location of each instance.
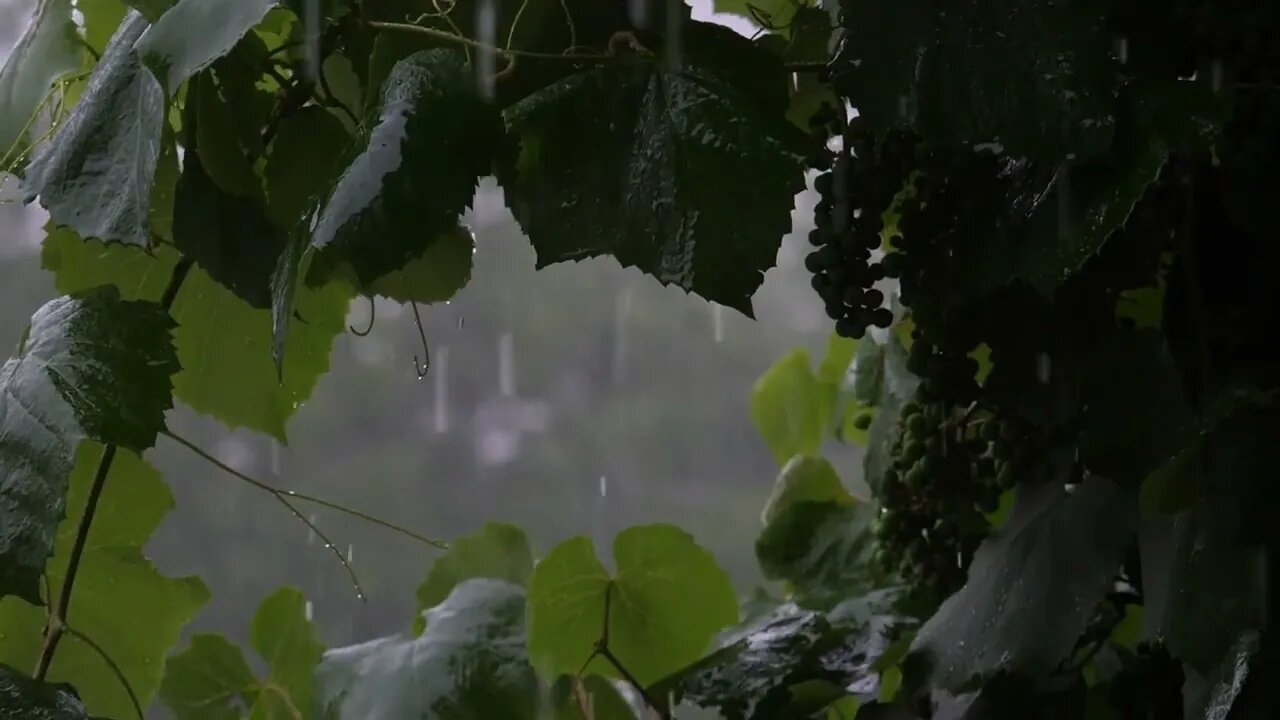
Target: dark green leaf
(224, 346)
(1033, 586)
(666, 601)
(296, 175)
(1035, 78)
(23, 698)
(95, 176)
(91, 367)
(227, 235)
(113, 574)
(497, 550)
(193, 33)
(225, 153)
(47, 51)
(210, 680)
(788, 664)
(1203, 587)
(791, 408)
(416, 172)
(804, 479)
(1136, 417)
(436, 275)
(470, 663)
(631, 159)
(822, 549)
(101, 18)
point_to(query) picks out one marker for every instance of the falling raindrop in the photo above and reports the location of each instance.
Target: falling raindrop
(1215, 75)
(441, 389)
(486, 57)
(621, 310)
(311, 32)
(311, 533)
(275, 457)
(506, 365)
(638, 10)
(308, 611)
(351, 551)
(604, 486)
(1044, 367)
(461, 321)
(1065, 218)
(1122, 49)
(717, 322)
(675, 53)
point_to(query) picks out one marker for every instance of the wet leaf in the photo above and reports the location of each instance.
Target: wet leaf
(470, 663)
(101, 18)
(1036, 79)
(790, 663)
(1033, 586)
(415, 173)
(91, 367)
(1203, 586)
(497, 550)
(804, 479)
(47, 51)
(210, 680)
(822, 550)
(193, 33)
(296, 176)
(23, 698)
(113, 574)
(667, 599)
(791, 408)
(436, 275)
(229, 236)
(95, 175)
(224, 346)
(630, 160)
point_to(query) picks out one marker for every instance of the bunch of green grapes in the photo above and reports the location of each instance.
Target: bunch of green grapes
(861, 183)
(948, 472)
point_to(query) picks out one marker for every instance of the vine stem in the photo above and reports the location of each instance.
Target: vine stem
(56, 624)
(476, 44)
(602, 650)
(292, 495)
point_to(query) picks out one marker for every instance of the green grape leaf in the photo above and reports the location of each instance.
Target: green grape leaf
(470, 663)
(791, 408)
(1038, 81)
(24, 698)
(1136, 417)
(434, 139)
(209, 680)
(821, 548)
(837, 359)
(497, 551)
(666, 601)
(229, 236)
(1186, 554)
(285, 639)
(1033, 586)
(630, 160)
(804, 479)
(113, 575)
(224, 346)
(47, 51)
(193, 33)
(225, 157)
(91, 366)
(789, 663)
(436, 275)
(295, 174)
(95, 175)
(101, 18)
(776, 14)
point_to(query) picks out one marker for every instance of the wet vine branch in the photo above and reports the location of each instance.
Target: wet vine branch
(56, 623)
(602, 650)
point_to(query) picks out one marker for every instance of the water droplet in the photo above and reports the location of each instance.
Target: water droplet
(351, 549)
(506, 365)
(1043, 368)
(308, 611)
(440, 391)
(604, 486)
(717, 322)
(486, 58)
(461, 321)
(1122, 49)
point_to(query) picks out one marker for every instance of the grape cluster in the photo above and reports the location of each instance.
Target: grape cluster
(861, 183)
(948, 470)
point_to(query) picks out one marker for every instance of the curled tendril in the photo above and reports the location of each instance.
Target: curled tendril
(421, 366)
(373, 314)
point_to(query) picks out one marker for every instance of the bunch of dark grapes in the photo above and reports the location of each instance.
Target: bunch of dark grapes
(861, 183)
(947, 474)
